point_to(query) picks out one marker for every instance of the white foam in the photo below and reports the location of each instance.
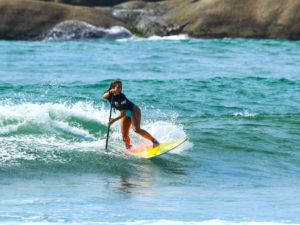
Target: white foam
(245, 113)
(167, 131)
(10, 151)
(178, 37)
(74, 130)
(51, 121)
(43, 148)
(163, 131)
(41, 114)
(157, 38)
(9, 128)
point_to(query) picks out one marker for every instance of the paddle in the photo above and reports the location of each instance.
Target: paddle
(108, 121)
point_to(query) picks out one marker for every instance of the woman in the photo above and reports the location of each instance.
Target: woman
(130, 113)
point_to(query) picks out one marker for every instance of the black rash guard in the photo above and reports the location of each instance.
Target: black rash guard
(120, 102)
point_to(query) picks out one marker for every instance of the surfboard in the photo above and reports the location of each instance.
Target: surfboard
(150, 152)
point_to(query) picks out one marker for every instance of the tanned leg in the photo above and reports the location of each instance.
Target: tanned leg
(136, 123)
(125, 125)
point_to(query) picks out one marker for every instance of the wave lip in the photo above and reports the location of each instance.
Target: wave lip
(76, 30)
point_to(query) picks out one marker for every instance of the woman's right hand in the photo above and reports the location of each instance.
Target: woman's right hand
(107, 94)
(112, 91)
(111, 122)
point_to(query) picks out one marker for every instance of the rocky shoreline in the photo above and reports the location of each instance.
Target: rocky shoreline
(275, 19)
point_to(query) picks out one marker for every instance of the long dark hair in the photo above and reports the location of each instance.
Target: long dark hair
(114, 83)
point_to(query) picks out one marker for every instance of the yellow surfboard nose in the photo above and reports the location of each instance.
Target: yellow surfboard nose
(150, 152)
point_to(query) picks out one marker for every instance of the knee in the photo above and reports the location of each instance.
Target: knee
(136, 129)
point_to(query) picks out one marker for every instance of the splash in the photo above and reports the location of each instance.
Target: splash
(58, 132)
(171, 37)
(32, 118)
(163, 131)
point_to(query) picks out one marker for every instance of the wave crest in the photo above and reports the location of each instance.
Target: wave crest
(68, 134)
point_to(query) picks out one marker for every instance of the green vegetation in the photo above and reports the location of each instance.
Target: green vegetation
(136, 31)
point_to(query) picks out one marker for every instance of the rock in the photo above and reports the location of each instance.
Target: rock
(28, 20)
(131, 16)
(88, 2)
(148, 18)
(215, 18)
(72, 30)
(235, 18)
(94, 2)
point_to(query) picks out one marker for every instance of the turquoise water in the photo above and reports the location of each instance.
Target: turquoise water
(237, 100)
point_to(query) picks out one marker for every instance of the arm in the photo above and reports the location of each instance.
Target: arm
(123, 113)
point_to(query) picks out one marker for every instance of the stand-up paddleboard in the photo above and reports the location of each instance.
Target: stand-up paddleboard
(150, 152)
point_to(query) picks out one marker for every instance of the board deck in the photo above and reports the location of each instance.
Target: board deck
(150, 152)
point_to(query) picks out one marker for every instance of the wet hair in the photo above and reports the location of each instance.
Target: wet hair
(114, 83)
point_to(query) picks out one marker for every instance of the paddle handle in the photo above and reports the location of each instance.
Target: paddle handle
(108, 128)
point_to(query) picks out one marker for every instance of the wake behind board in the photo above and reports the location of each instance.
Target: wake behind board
(150, 152)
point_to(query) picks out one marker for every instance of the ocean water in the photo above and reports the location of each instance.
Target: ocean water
(236, 100)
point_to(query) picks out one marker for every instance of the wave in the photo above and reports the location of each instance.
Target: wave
(74, 30)
(68, 135)
(32, 118)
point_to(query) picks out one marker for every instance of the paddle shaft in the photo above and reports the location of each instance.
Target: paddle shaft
(108, 128)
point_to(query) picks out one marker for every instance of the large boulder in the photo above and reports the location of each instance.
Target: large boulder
(27, 19)
(214, 18)
(73, 30)
(148, 18)
(236, 18)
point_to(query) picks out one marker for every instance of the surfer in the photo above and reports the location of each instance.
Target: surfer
(130, 113)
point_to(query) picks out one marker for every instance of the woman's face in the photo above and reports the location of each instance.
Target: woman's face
(118, 89)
